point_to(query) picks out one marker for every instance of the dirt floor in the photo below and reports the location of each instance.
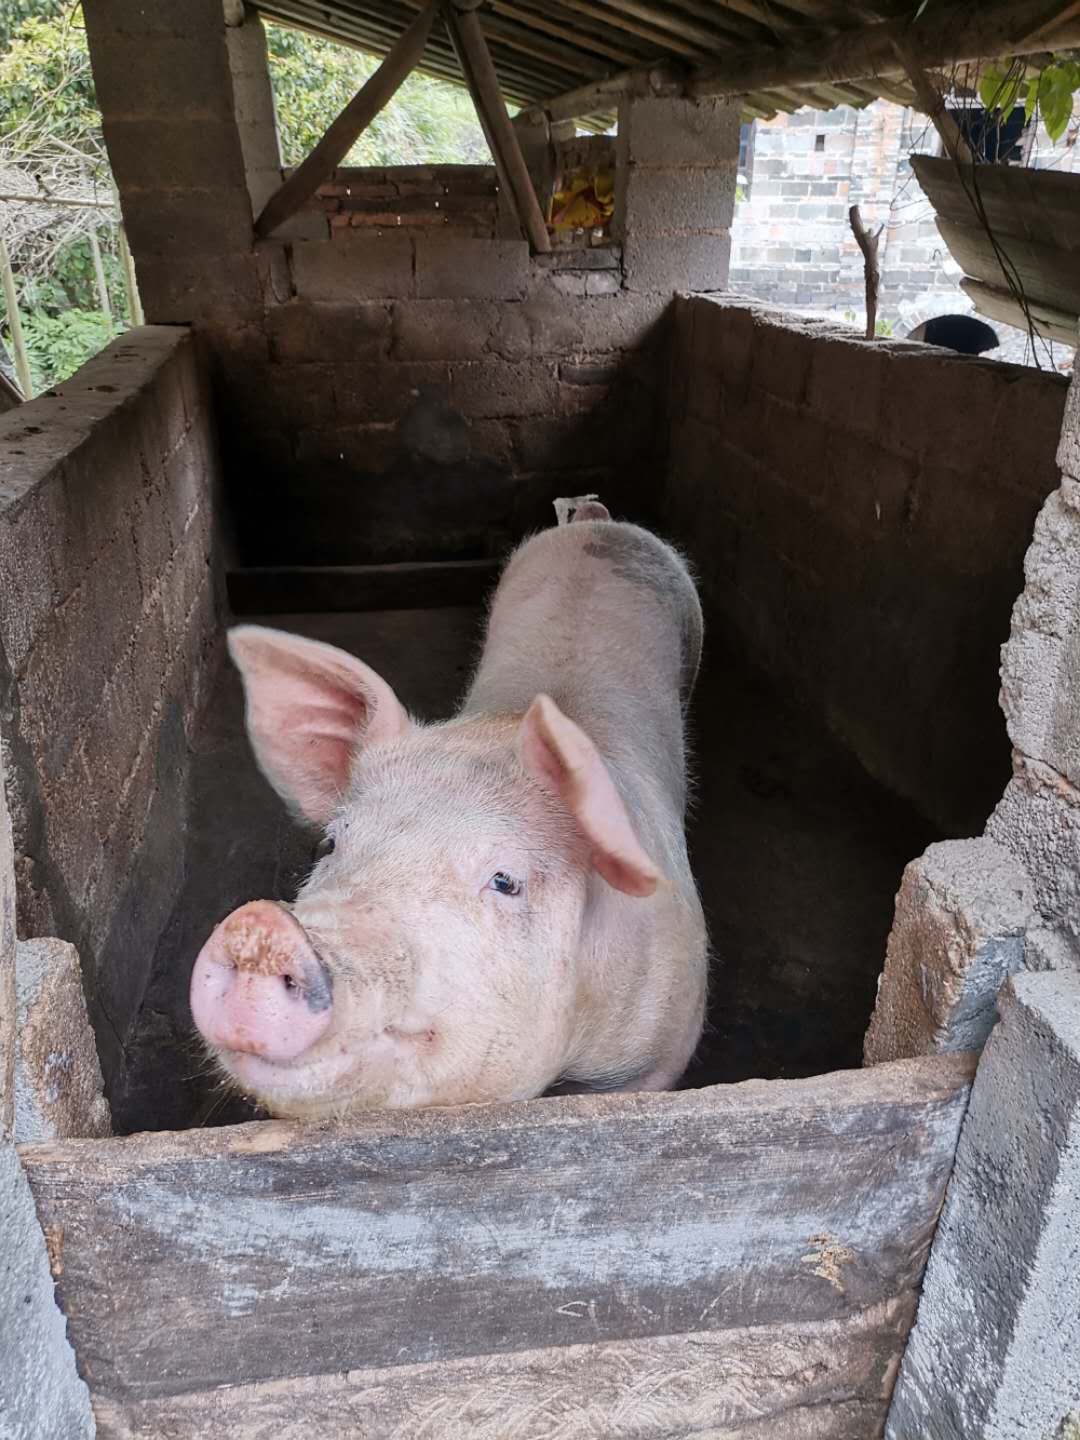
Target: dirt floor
(798, 855)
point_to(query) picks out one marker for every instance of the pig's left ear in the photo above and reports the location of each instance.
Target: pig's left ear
(310, 707)
(559, 755)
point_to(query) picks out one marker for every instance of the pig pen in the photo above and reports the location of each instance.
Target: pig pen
(737, 1259)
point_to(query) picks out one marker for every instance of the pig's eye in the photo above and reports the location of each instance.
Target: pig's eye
(325, 847)
(504, 884)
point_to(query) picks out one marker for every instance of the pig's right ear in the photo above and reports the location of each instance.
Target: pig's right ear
(310, 707)
(561, 757)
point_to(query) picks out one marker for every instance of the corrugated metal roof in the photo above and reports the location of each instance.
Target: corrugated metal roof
(544, 48)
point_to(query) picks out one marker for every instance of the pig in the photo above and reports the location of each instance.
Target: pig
(505, 904)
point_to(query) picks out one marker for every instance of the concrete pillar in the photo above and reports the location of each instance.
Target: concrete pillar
(41, 1393)
(189, 125)
(675, 192)
(995, 1352)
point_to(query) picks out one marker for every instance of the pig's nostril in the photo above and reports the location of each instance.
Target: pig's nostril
(290, 983)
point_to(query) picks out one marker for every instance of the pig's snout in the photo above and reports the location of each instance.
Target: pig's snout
(259, 987)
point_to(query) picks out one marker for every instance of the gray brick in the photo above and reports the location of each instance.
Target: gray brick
(493, 388)
(442, 329)
(677, 262)
(454, 267)
(663, 202)
(668, 132)
(304, 331)
(354, 266)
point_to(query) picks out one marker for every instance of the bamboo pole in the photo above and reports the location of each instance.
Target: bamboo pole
(18, 341)
(99, 274)
(343, 134)
(479, 70)
(131, 287)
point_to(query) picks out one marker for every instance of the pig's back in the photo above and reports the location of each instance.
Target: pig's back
(604, 618)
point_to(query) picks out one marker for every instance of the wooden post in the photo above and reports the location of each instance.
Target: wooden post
(476, 63)
(99, 275)
(131, 287)
(868, 244)
(933, 103)
(18, 343)
(343, 134)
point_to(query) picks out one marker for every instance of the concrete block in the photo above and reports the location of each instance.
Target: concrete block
(845, 383)
(666, 202)
(1068, 454)
(43, 1396)
(151, 156)
(962, 387)
(1040, 662)
(961, 917)
(175, 76)
(58, 1085)
(676, 262)
(442, 329)
(456, 267)
(205, 288)
(162, 223)
(1027, 426)
(489, 389)
(623, 322)
(1038, 821)
(671, 132)
(995, 1351)
(782, 355)
(547, 323)
(354, 266)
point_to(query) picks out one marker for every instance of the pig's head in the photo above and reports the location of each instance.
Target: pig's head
(433, 956)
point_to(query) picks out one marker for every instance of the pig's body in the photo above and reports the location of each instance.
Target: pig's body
(509, 903)
(605, 619)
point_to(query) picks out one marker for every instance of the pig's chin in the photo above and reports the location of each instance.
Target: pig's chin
(296, 1089)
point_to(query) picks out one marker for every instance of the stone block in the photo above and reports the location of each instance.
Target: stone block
(1040, 662)
(672, 132)
(961, 917)
(669, 263)
(1038, 821)
(995, 1351)
(354, 266)
(1068, 455)
(667, 202)
(453, 267)
(44, 1397)
(58, 1085)
(490, 389)
(442, 329)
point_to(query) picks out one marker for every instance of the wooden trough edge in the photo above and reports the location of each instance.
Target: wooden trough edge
(301, 589)
(754, 1247)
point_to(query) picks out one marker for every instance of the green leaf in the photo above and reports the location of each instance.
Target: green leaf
(1000, 89)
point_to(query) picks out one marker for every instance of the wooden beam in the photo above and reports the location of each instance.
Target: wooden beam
(937, 40)
(599, 95)
(18, 340)
(932, 103)
(479, 71)
(349, 126)
(287, 1260)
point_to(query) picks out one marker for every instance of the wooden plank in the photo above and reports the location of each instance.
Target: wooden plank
(479, 71)
(999, 304)
(269, 1252)
(823, 1381)
(317, 589)
(1039, 205)
(1044, 273)
(344, 132)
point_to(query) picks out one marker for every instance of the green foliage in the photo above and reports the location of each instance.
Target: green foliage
(59, 344)
(1050, 90)
(46, 88)
(14, 12)
(428, 121)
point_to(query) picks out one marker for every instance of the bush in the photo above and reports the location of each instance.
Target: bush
(59, 344)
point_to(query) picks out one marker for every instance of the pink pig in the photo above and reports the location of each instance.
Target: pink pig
(508, 902)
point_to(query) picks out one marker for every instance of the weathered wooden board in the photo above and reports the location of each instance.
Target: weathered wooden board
(828, 1380)
(406, 1244)
(1035, 219)
(998, 304)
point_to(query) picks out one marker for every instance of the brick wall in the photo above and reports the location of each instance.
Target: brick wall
(106, 629)
(858, 512)
(792, 242)
(461, 198)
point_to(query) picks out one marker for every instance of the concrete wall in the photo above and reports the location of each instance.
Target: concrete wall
(858, 512)
(400, 393)
(106, 631)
